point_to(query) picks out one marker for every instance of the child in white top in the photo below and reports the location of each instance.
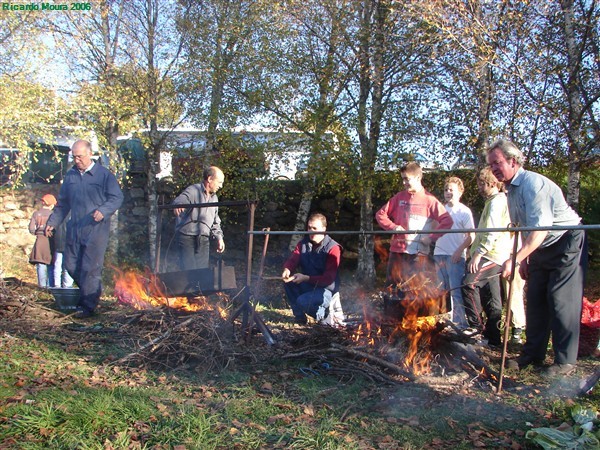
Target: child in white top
(450, 249)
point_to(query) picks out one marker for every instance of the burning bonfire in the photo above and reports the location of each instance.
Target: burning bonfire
(198, 340)
(146, 291)
(403, 337)
(411, 317)
(405, 328)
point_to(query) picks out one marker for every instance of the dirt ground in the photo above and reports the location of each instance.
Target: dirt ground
(462, 376)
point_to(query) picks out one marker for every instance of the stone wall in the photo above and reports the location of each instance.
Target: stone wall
(16, 209)
(279, 213)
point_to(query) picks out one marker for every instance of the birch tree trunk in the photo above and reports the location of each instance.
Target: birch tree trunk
(574, 104)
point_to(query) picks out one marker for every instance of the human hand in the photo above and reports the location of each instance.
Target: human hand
(49, 231)
(98, 216)
(300, 278)
(287, 276)
(456, 257)
(178, 211)
(473, 264)
(523, 268)
(220, 246)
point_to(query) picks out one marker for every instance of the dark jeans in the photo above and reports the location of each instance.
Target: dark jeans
(482, 293)
(305, 298)
(554, 298)
(194, 251)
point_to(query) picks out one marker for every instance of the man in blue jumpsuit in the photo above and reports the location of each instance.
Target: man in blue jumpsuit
(92, 194)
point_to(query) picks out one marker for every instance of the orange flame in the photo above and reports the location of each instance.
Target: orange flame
(421, 299)
(418, 333)
(147, 292)
(380, 249)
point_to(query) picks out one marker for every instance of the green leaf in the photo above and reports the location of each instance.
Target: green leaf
(550, 438)
(583, 415)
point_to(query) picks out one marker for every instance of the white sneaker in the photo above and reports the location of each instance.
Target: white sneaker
(471, 331)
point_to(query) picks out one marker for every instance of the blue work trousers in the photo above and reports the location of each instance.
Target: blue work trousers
(84, 260)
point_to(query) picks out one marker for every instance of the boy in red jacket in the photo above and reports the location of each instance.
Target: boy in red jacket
(412, 209)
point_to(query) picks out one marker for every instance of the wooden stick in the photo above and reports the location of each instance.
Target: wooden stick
(156, 340)
(376, 360)
(508, 310)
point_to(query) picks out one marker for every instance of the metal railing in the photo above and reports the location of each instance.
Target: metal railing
(516, 230)
(510, 228)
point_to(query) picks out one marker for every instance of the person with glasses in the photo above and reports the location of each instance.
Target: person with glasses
(91, 193)
(553, 262)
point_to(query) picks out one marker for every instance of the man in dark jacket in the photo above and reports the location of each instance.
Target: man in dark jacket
(195, 226)
(317, 259)
(92, 194)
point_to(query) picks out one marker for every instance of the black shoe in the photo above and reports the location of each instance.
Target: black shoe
(300, 320)
(522, 362)
(495, 344)
(84, 314)
(559, 369)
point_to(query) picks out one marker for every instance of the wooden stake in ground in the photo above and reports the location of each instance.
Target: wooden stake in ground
(508, 310)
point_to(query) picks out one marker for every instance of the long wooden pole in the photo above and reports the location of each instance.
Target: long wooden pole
(508, 314)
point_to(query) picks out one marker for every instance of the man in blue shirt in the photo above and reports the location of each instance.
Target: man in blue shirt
(553, 262)
(92, 194)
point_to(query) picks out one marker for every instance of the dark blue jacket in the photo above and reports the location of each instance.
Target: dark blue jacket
(96, 189)
(313, 261)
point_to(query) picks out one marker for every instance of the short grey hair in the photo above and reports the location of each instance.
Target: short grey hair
(210, 171)
(508, 149)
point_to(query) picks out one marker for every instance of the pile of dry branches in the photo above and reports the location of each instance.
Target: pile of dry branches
(19, 300)
(202, 341)
(338, 353)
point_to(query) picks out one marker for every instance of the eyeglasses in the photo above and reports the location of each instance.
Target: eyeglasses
(79, 156)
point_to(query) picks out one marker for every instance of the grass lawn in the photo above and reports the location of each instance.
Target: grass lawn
(68, 384)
